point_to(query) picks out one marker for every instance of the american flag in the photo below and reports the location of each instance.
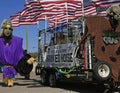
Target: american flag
(28, 15)
(59, 19)
(22, 18)
(27, 19)
(61, 11)
(15, 19)
(105, 3)
(88, 10)
(56, 1)
(56, 8)
(64, 10)
(101, 11)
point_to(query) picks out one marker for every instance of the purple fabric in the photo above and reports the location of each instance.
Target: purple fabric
(10, 55)
(9, 72)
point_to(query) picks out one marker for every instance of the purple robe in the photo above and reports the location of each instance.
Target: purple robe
(10, 55)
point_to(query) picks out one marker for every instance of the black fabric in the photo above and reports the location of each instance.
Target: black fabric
(23, 68)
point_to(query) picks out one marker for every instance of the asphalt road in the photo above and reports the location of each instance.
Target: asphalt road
(34, 85)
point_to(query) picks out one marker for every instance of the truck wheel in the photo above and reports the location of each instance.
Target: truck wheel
(102, 71)
(44, 78)
(38, 69)
(52, 80)
(107, 91)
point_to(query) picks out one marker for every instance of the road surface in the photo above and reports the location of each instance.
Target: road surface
(33, 85)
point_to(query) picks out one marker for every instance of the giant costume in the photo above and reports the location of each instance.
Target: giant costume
(106, 27)
(11, 54)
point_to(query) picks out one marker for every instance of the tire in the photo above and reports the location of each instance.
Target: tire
(107, 91)
(44, 78)
(38, 69)
(52, 80)
(102, 71)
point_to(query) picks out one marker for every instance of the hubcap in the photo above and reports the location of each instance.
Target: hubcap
(103, 70)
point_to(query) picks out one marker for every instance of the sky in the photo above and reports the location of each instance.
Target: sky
(10, 7)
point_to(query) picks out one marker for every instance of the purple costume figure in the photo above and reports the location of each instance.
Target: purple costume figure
(11, 53)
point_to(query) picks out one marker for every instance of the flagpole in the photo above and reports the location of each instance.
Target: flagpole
(45, 31)
(55, 29)
(40, 52)
(67, 18)
(83, 16)
(26, 1)
(27, 38)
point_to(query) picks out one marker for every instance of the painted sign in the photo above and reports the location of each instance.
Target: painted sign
(111, 37)
(60, 55)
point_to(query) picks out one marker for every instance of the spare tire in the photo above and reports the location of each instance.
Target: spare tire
(102, 71)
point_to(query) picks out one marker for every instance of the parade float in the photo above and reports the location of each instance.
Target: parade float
(84, 49)
(88, 53)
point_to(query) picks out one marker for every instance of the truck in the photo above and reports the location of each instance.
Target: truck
(86, 53)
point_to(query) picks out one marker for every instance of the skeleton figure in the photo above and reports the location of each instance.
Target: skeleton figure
(113, 13)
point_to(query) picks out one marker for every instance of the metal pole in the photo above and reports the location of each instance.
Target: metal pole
(45, 31)
(27, 38)
(66, 6)
(40, 52)
(83, 17)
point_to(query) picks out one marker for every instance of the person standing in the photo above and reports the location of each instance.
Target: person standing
(11, 52)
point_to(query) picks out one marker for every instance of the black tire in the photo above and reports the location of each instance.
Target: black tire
(52, 80)
(44, 78)
(102, 71)
(38, 69)
(107, 91)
